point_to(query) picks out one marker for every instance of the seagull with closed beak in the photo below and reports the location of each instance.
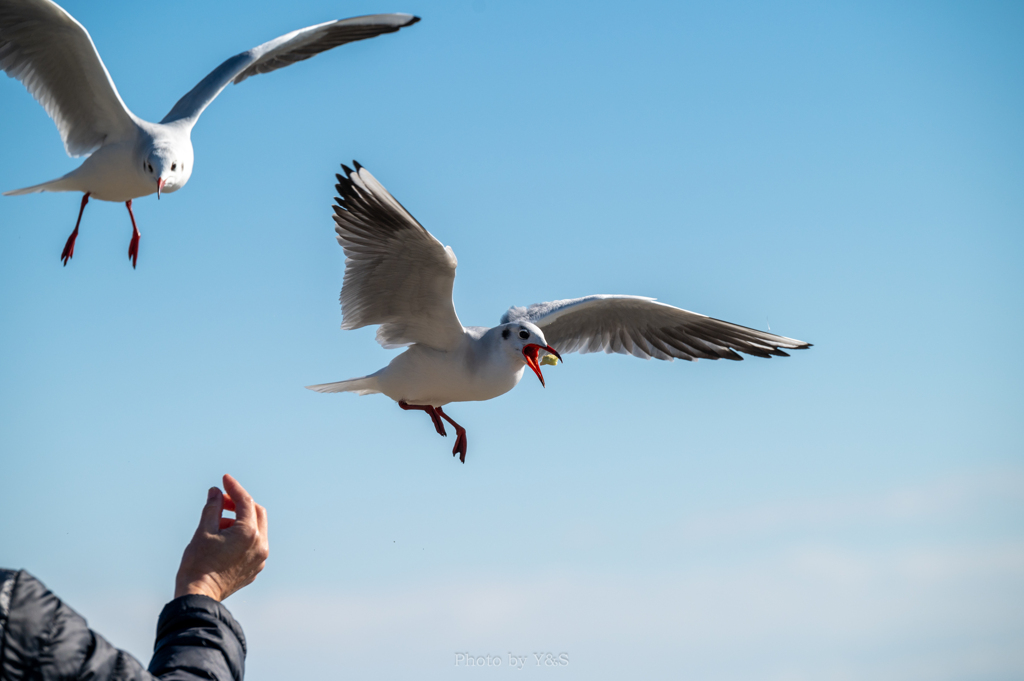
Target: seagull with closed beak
(53, 56)
(399, 276)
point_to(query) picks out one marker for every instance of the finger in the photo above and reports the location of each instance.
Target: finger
(210, 520)
(225, 523)
(261, 521)
(245, 507)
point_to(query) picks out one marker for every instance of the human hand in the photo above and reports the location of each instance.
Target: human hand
(225, 554)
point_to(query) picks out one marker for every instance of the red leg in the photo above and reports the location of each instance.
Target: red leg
(460, 436)
(133, 247)
(69, 247)
(438, 426)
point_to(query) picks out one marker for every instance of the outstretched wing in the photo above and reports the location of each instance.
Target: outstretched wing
(396, 273)
(281, 52)
(53, 56)
(645, 328)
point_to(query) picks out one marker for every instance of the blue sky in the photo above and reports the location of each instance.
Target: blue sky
(848, 173)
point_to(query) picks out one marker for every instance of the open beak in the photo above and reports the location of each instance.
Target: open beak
(159, 187)
(531, 351)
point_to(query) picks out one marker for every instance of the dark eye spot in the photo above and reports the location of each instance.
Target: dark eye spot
(150, 167)
(505, 334)
(174, 166)
(524, 334)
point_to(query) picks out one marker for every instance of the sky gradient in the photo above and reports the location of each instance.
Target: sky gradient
(848, 173)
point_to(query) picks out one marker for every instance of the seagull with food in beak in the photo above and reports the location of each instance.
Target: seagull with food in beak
(399, 276)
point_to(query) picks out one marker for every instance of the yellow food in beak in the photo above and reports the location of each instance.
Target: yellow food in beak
(549, 359)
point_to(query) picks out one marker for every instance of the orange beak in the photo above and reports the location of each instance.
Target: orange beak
(159, 187)
(531, 351)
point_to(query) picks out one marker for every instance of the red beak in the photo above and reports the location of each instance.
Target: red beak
(159, 186)
(531, 351)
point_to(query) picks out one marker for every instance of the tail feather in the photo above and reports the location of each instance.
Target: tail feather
(367, 385)
(61, 184)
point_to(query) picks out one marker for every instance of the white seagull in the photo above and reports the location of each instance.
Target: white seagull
(398, 275)
(52, 54)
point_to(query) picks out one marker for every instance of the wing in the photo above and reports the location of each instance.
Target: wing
(645, 328)
(53, 56)
(281, 52)
(396, 273)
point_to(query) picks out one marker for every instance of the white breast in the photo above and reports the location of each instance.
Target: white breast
(110, 174)
(421, 375)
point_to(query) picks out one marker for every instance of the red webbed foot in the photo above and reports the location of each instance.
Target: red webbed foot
(69, 247)
(133, 250)
(461, 441)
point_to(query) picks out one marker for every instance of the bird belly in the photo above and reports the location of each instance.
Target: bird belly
(110, 175)
(429, 377)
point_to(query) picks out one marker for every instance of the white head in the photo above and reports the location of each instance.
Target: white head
(167, 166)
(526, 341)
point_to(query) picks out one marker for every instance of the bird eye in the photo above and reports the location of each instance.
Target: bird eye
(524, 334)
(174, 166)
(150, 167)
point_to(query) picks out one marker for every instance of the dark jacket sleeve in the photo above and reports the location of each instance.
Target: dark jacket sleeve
(43, 638)
(197, 637)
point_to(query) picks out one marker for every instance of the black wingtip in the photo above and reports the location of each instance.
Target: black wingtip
(414, 20)
(357, 165)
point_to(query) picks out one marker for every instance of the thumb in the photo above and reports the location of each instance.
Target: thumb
(210, 520)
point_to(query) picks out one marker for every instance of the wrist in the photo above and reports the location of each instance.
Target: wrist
(196, 587)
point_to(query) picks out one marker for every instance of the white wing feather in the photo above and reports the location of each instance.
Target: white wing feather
(53, 56)
(396, 273)
(645, 328)
(280, 52)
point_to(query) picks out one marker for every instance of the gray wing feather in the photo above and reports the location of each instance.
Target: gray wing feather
(396, 273)
(643, 327)
(280, 52)
(54, 57)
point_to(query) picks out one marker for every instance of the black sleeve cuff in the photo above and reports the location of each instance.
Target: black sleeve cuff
(197, 634)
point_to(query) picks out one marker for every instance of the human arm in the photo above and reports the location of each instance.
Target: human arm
(197, 638)
(224, 555)
(42, 637)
